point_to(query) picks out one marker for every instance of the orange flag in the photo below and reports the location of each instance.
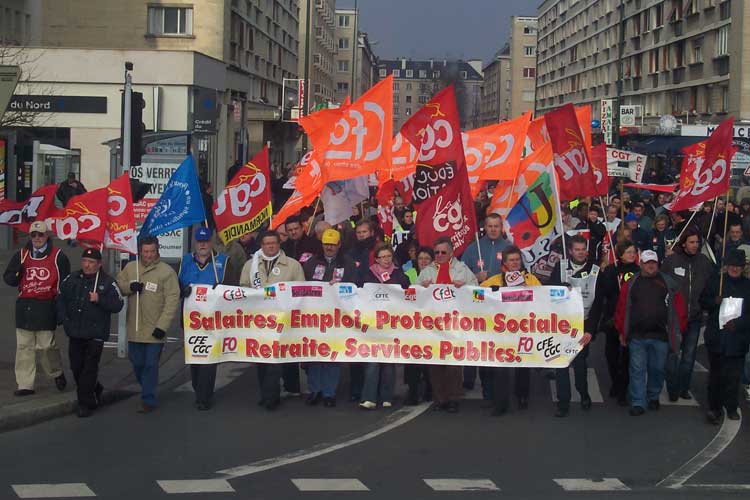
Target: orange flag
(307, 186)
(352, 141)
(506, 194)
(494, 152)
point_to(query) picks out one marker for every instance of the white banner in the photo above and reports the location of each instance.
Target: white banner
(636, 164)
(314, 321)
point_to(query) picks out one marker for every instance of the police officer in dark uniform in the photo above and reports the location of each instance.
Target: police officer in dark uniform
(87, 300)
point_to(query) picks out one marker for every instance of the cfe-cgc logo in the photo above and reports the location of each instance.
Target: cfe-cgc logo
(477, 295)
(201, 294)
(307, 291)
(199, 346)
(269, 293)
(236, 294)
(410, 294)
(444, 293)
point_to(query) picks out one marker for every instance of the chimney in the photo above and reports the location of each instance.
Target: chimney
(403, 63)
(431, 63)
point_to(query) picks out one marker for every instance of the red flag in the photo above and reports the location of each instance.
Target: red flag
(119, 229)
(706, 168)
(574, 172)
(442, 196)
(83, 218)
(599, 164)
(307, 186)
(245, 203)
(385, 207)
(20, 214)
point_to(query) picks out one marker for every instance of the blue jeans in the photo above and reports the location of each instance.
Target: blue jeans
(323, 378)
(680, 366)
(145, 360)
(647, 356)
(562, 379)
(379, 375)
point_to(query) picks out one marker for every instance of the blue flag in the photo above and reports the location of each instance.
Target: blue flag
(180, 205)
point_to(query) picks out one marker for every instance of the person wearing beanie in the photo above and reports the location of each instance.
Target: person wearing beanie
(727, 345)
(637, 235)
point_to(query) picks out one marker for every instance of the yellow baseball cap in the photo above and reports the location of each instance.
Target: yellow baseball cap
(38, 227)
(331, 237)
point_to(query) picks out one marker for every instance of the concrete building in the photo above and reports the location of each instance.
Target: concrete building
(356, 64)
(415, 82)
(495, 101)
(19, 22)
(322, 51)
(522, 42)
(677, 57)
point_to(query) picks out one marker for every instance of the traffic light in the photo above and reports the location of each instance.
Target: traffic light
(136, 128)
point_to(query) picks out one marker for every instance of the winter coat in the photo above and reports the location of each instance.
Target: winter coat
(492, 255)
(397, 277)
(303, 249)
(692, 273)
(81, 318)
(363, 256)
(728, 343)
(341, 268)
(35, 314)
(498, 280)
(158, 303)
(459, 272)
(285, 269)
(608, 284)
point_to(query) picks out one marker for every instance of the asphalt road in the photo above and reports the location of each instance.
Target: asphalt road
(238, 450)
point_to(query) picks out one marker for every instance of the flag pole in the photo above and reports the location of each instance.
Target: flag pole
(479, 252)
(724, 244)
(561, 228)
(138, 295)
(674, 244)
(96, 280)
(713, 216)
(609, 234)
(213, 260)
(312, 217)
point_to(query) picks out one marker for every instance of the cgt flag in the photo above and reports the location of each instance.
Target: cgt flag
(119, 230)
(83, 218)
(442, 195)
(245, 203)
(308, 185)
(180, 205)
(575, 174)
(20, 214)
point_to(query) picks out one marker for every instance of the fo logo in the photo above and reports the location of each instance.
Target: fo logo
(201, 294)
(38, 273)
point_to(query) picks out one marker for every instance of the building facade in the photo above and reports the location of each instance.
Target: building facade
(321, 67)
(522, 42)
(356, 64)
(415, 82)
(495, 101)
(677, 57)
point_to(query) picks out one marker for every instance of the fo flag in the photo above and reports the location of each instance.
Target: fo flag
(180, 205)
(83, 218)
(119, 229)
(572, 162)
(245, 203)
(705, 168)
(441, 191)
(20, 214)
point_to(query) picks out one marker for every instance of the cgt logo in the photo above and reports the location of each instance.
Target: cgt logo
(410, 294)
(201, 294)
(229, 345)
(199, 346)
(270, 292)
(444, 293)
(236, 294)
(478, 295)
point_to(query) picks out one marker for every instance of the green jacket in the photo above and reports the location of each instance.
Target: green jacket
(158, 303)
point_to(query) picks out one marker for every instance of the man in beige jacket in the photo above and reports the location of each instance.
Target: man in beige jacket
(152, 288)
(270, 265)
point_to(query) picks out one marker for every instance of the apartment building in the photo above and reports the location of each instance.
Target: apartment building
(522, 44)
(495, 101)
(356, 64)
(677, 57)
(322, 66)
(415, 82)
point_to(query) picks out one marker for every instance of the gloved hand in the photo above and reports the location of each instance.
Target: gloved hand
(159, 333)
(136, 287)
(185, 292)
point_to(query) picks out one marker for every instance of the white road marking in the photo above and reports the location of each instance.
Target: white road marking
(330, 485)
(664, 399)
(461, 485)
(113, 344)
(226, 373)
(595, 392)
(725, 436)
(606, 484)
(196, 486)
(394, 420)
(699, 368)
(718, 487)
(61, 490)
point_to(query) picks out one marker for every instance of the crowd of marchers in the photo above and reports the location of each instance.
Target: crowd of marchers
(653, 282)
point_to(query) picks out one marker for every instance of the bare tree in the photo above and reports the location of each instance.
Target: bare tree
(28, 84)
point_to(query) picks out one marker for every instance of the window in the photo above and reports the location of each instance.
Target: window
(396, 73)
(659, 15)
(342, 87)
(422, 73)
(527, 96)
(722, 41)
(395, 111)
(724, 99)
(423, 99)
(436, 74)
(529, 72)
(409, 73)
(170, 20)
(696, 51)
(464, 75)
(343, 66)
(653, 61)
(383, 72)
(408, 86)
(529, 50)
(408, 111)
(395, 86)
(529, 30)
(343, 43)
(343, 21)
(408, 99)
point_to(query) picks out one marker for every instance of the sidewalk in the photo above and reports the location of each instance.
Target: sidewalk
(115, 374)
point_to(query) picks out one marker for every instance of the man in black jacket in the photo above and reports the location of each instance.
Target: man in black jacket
(299, 246)
(87, 300)
(37, 270)
(69, 188)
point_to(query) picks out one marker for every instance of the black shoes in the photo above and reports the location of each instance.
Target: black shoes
(586, 402)
(98, 394)
(84, 412)
(653, 404)
(733, 415)
(499, 412)
(202, 406)
(713, 417)
(622, 400)
(523, 403)
(452, 407)
(61, 382)
(272, 404)
(313, 399)
(329, 402)
(673, 396)
(686, 395)
(637, 411)
(563, 412)
(23, 392)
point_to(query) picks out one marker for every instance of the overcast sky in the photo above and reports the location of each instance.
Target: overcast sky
(420, 29)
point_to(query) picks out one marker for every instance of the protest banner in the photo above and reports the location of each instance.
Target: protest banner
(314, 321)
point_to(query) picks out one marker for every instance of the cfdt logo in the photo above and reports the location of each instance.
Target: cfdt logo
(236, 294)
(444, 293)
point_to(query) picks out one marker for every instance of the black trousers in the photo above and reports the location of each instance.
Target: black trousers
(486, 376)
(204, 380)
(522, 385)
(84, 355)
(290, 374)
(356, 380)
(268, 379)
(413, 375)
(724, 376)
(617, 363)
